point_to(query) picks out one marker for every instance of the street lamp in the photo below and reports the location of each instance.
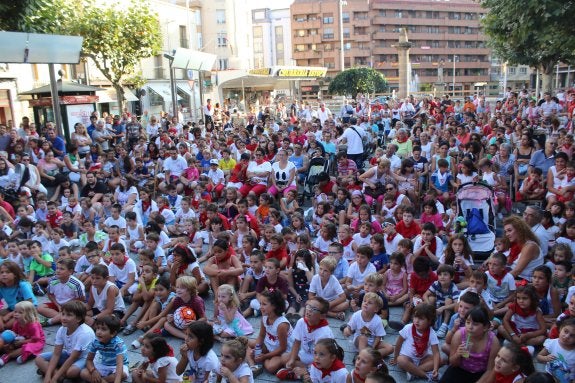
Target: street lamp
(342, 54)
(453, 81)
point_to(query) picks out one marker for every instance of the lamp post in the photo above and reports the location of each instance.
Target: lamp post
(453, 81)
(342, 54)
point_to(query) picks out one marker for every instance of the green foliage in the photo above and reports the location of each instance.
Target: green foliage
(358, 80)
(116, 39)
(538, 33)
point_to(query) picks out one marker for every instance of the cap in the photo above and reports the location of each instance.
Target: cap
(214, 162)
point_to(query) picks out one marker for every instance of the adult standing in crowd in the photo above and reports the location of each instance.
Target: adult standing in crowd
(352, 136)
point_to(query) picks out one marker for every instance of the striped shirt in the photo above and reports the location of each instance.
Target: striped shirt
(105, 354)
(66, 291)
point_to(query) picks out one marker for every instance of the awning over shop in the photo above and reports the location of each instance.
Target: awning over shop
(109, 95)
(161, 89)
(290, 72)
(256, 83)
(185, 87)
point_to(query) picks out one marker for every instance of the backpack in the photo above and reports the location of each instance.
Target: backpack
(364, 140)
(475, 222)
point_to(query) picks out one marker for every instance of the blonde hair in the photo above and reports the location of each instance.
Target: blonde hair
(30, 315)
(189, 283)
(373, 297)
(229, 289)
(375, 278)
(329, 263)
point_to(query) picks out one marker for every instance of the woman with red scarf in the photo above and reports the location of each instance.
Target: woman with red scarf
(185, 263)
(257, 174)
(223, 267)
(525, 253)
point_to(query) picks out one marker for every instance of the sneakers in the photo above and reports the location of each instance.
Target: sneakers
(286, 374)
(430, 377)
(37, 290)
(257, 313)
(130, 329)
(136, 344)
(44, 322)
(408, 376)
(257, 370)
(531, 350)
(21, 360)
(442, 332)
(4, 359)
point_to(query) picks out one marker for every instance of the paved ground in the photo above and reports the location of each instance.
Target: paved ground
(13, 373)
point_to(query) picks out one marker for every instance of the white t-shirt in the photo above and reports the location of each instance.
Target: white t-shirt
(339, 376)
(122, 274)
(203, 365)
(438, 245)
(283, 175)
(216, 175)
(171, 364)
(175, 167)
(370, 329)
(308, 340)
(181, 215)
(331, 290)
(265, 166)
(408, 347)
(79, 340)
(563, 366)
(361, 241)
(358, 277)
(500, 292)
(354, 140)
(68, 291)
(120, 222)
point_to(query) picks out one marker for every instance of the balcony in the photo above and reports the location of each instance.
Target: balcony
(386, 20)
(309, 39)
(306, 55)
(309, 24)
(361, 22)
(361, 37)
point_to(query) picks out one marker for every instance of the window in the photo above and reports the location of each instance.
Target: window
(522, 70)
(300, 47)
(259, 32)
(183, 36)
(222, 64)
(328, 33)
(222, 40)
(398, 14)
(328, 47)
(313, 32)
(360, 16)
(511, 70)
(432, 29)
(382, 13)
(220, 16)
(158, 68)
(300, 33)
(300, 18)
(279, 41)
(346, 33)
(345, 17)
(346, 46)
(328, 18)
(468, 16)
(329, 63)
(360, 31)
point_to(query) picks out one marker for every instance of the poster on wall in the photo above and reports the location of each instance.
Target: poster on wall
(79, 113)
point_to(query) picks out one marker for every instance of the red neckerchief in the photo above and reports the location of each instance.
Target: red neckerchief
(209, 107)
(514, 252)
(346, 241)
(433, 245)
(335, 366)
(401, 140)
(500, 378)
(227, 258)
(519, 311)
(310, 328)
(170, 353)
(72, 206)
(499, 278)
(356, 377)
(146, 205)
(390, 237)
(121, 264)
(259, 162)
(420, 342)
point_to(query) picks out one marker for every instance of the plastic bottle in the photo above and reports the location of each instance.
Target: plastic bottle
(258, 350)
(213, 377)
(186, 377)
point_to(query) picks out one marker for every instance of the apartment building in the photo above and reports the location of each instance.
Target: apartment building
(443, 33)
(271, 30)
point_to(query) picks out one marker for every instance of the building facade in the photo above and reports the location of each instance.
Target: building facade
(444, 34)
(271, 31)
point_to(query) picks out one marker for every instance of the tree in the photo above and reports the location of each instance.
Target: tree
(117, 39)
(538, 33)
(358, 80)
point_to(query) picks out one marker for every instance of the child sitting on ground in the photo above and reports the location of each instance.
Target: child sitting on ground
(443, 294)
(325, 285)
(419, 282)
(29, 339)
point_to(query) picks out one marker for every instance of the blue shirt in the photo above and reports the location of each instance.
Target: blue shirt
(380, 260)
(18, 293)
(105, 354)
(541, 161)
(59, 144)
(443, 187)
(341, 269)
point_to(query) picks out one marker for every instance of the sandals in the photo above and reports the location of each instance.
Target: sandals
(257, 370)
(340, 316)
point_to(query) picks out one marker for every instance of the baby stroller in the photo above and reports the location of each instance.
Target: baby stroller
(316, 166)
(476, 218)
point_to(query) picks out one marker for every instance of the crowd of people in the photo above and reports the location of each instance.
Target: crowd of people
(137, 221)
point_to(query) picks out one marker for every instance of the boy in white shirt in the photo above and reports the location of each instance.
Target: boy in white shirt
(325, 285)
(359, 270)
(363, 238)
